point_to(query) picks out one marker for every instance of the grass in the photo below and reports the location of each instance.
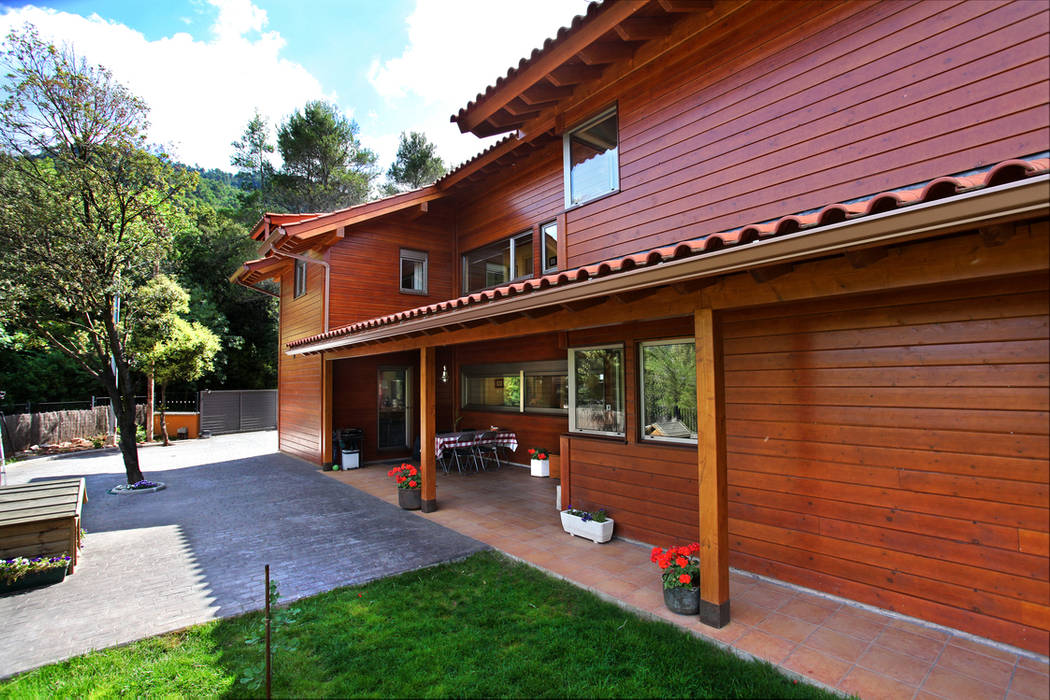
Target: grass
(482, 627)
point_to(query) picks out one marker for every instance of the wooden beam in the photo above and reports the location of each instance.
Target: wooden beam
(693, 286)
(326, 412)
(996, 235)
(685, 5)
(711, 466)
(865, 257)
(503, 119)
(574, 75)
(584, 303)
(606, 52)
(525, 110)
(543, 93)
(542, 311)
(605, 20)
(644, 28)
(565, 460)
(636, 294)
(427, 426)
(953, 259)
(771, 272)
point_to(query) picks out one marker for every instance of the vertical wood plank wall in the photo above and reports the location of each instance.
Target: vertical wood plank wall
(893, 449)
(299, 387)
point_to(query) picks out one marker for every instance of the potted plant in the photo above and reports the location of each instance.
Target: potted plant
(681, 577)
(23, 572)
(409, 485)
(541, 461)
(596, 526)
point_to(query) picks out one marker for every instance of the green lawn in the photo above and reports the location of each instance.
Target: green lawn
(482, 627)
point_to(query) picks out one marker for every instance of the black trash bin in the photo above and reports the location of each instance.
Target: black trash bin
(351, 446)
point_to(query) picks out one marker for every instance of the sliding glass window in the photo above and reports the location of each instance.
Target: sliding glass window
(596, 390)
(498, 263)
(521, 387)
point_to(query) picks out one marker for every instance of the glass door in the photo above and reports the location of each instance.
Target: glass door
(395, 410)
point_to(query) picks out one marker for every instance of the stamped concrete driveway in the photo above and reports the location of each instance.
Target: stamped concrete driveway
(195, 551)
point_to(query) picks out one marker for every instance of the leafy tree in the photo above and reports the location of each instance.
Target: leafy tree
(251, 151)
(86, 212)
(185, 354)
(416, 164)
(325, 166)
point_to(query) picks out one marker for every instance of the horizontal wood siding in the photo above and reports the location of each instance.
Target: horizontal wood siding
(355, 397)
(837, 101)
(893, 449)
(365, 264)
(299, 378)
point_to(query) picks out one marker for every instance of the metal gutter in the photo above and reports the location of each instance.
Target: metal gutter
(987, 205)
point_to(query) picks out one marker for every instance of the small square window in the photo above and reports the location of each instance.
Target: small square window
(549, 234)
(596, 390)
(413, 271)
(668, 385)
(299, 283)
(591, 162)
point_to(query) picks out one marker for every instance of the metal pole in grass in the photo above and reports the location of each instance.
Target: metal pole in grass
(267, 632)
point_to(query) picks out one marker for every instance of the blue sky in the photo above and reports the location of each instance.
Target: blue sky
(392, 65)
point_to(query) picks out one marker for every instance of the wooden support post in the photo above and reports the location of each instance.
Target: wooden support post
(427, 423)
(564, 460)
(326, 413)
(714, 493)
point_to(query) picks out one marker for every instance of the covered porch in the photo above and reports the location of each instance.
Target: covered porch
(843, 645)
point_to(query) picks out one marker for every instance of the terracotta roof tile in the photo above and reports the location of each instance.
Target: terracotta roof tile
(1007, 171)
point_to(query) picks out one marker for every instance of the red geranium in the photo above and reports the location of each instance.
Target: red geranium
(404, 474)
(685, 578)
(679, 566)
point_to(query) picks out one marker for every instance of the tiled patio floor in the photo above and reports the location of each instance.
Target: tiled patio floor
(848, 648)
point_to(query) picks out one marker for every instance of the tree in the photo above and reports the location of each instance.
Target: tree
(251, 151)
(86, 213)
(416, 164)
(184, 354)
(325, 166)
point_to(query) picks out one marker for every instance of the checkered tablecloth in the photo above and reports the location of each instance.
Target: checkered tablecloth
(448, 441)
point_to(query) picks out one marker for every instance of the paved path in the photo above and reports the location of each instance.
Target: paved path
(195, 551)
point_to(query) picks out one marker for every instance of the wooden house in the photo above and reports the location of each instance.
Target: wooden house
(841, 208)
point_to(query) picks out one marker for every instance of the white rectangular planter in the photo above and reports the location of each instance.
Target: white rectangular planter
(596, 532)
(541, 467)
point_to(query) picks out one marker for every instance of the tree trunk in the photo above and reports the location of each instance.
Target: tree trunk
(163, 420)
(124, 406)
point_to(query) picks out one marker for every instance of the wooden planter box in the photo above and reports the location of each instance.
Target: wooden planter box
(41, 519)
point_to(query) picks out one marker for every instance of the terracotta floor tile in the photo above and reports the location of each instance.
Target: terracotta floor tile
(846, 620)
(1008, 657)
(837, 644)
(874, 686)
(806, 609)
(789, 628)
(923, 695)
(747, 612)
(1016, 696)
(909, 644)
(956, 686)
(765, 646)
(618, 588)
(728, 634)
(903, 668)
(1030, 684)
(817, 665)
(920, 630)
(1032, 665)
(983, 668)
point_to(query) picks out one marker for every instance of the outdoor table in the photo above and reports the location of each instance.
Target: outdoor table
(448, 441)
(41, 519)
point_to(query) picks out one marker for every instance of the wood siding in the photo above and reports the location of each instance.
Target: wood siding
(842, 101)
(893, 449)
(355, 398)
(299, 378)
(365, 264)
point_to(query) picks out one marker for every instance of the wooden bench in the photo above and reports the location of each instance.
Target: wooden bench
(42, 519)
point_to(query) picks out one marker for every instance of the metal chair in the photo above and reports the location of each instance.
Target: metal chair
(464, 450)
(489, 451)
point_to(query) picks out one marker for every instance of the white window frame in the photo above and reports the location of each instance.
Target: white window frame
(642, 418)
(413, 256)
(512, 277)
(543, 247)
(614, 180)
(622, 386)
(299, 279)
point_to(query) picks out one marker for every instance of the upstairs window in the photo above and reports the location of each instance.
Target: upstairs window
(591, 162)
(549, 234)
(498, 263)
(413, 271)
(299, 282)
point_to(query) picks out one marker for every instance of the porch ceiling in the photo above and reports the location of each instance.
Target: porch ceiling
(1010, 190)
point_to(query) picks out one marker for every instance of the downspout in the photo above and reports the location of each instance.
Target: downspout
(327, 272)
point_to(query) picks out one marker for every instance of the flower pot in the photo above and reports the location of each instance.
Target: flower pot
(684, 600)
(578, 527)
(34, 579)
(410, 499)
(541, 467)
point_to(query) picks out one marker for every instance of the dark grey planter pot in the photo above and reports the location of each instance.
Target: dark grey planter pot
(684, 601)
(34, 579)
(410, 499)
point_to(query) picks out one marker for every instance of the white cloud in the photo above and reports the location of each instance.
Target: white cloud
(201, 93)
(455, 49)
